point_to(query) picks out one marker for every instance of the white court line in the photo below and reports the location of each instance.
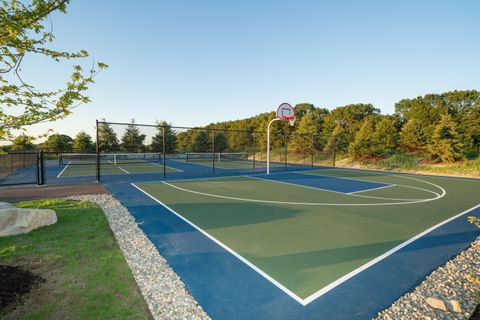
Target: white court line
(302, 203)
(327, 288)
(378, 188)
(333, 191)
(123, 169)
(353, 273)
(58, 176)
(235, 254)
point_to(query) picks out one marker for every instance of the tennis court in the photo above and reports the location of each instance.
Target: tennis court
(307, 232)
(79, 165)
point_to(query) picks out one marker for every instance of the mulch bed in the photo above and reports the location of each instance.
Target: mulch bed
(15, 282)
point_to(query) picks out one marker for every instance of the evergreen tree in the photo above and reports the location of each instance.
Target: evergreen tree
(412, 137)
(170, 138)
(364, 146)
(108, 140)
(221, 142)
(306, 130)
(446, 145)
(132, 139)
(58, 142)
(83, 142)
(386, 135)
(22, 142)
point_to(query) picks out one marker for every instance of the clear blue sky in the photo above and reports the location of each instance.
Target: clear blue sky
(196, 62)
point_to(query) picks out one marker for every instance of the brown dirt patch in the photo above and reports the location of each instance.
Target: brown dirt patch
(14, 283)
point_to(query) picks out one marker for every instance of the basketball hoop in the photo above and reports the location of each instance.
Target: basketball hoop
(284, 112)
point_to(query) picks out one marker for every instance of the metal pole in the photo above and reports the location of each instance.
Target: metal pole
(97, 147)
(313, 148)
(268, 144)
(253, 136)
(213, 151)
(42, 167)
(164, 158)
(286, 150)
(334, 150)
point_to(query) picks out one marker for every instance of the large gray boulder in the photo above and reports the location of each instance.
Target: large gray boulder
(18, 220)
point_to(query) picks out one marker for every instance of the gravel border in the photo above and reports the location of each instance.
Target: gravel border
(447, 293)
(161, 287)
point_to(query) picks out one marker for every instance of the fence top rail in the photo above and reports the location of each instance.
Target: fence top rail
(201, 128)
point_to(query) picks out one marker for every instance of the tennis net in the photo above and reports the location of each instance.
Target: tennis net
(219, 156)
(108, 158)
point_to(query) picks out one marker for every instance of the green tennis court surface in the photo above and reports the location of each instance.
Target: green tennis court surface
(233, 164)
(301, 231)
(110, 168)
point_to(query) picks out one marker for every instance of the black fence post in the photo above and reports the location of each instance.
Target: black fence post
(38, 168)
(213, 151)
(164, 157)
(42, 167)
(334, 150)
(97, 147)
(313, 148)
(254, 147)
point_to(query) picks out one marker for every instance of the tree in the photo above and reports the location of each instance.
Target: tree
(364, 147)
(307, 128)
(82, 142)
(22, 33)
(446, 145)
(132, 139)
(349, 118)
(107, 138)
(58, 142)
(412, 136)
(385, 136)
(170, 138)
(221, 142)
(22, 142)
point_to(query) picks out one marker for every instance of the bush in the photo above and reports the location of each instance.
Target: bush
(399, 160)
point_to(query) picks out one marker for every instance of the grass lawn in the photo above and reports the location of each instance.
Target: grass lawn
(86, 274)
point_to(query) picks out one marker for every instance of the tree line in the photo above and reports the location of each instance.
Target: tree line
(442, 127)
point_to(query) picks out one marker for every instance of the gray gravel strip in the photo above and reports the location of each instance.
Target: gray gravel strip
(450, 292)
(162, 289)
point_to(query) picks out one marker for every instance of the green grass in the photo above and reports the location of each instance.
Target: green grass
(87, 275)
(408, 163)
(307, 247)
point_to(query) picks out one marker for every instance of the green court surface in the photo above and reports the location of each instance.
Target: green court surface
(127, 168)
(234, 164)
(303, 238)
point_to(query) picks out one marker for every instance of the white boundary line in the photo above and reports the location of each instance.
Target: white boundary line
(327, 288)
(58, 176)
(438, 196)
(353, 273)
(123, 169)
(338, 192)
(378, 188)
(235, 254)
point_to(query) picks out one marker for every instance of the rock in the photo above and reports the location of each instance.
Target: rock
(5, 205)
(456, 307)
(436, 303)
(18, 220)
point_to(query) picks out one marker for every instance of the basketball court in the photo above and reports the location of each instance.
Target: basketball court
(258, 239)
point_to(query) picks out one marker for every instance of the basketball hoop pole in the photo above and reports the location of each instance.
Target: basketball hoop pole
(284, 112)
(268, 143)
